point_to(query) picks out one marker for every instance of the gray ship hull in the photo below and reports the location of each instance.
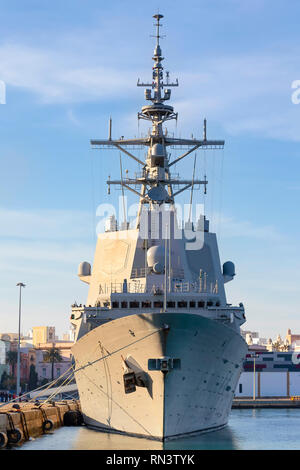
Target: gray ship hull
(194, 395)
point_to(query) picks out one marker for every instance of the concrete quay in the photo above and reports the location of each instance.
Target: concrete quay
(31, 420)
(271, 402)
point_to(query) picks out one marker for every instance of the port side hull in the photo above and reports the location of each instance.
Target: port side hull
(195, 397)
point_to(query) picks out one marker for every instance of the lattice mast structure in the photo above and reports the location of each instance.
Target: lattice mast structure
(155, 181)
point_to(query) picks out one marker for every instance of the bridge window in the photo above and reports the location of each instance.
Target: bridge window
(171, 304)
(124, 304)
(158, 304)
(182, 304)
(201, 304)
(115, 305)
(146, 304)
(134, 304)
(210, 303)
(192, 304)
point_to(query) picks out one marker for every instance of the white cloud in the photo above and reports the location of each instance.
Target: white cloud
(245, 93)
(14, 255)
(45, 224)
(249, 93)
(42, 249)
(34, 242)
(55, 77)
(232, 228)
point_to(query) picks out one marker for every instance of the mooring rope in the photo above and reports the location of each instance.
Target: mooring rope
(56, 392)
(24, 425)
(116, 351)
(41, 388)
(69, 378)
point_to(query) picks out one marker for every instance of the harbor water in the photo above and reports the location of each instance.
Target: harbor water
(260, 429)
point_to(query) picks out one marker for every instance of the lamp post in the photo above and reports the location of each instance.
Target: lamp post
(255, 356)
(20, 284)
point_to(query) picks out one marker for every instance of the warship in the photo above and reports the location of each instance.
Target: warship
(158, 350)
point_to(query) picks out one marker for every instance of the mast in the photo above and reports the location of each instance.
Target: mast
(158, 112)
(155, 181)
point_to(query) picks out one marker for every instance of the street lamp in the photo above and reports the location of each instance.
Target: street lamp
(255, 356)
(20, 284)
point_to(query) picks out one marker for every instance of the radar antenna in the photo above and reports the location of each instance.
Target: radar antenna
(155, 180)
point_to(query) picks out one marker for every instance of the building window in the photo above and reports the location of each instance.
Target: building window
(58, 372)
(171, 304)
(240, 388)
(134, 304)
(44, 372)
(146, 304)
(210, 303)
(115, 305)
(182, 304)
(201, 304)
(124, 304)
(158, 304)
(192, 304)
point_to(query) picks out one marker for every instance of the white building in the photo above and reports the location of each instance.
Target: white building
(268, 384)
(277, 374)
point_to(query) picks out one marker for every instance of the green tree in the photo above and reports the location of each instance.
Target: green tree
(7, 381)
(277, 346)
(12, 359)
(53, 356)
(4, 380)
(33, 377)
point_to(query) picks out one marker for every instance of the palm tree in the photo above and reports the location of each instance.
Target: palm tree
(276, 346)
(12, 359)
(52, 355)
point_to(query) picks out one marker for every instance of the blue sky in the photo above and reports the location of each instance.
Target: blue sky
(69, 65)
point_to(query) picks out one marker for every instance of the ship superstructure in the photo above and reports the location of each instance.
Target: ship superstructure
(158, 349)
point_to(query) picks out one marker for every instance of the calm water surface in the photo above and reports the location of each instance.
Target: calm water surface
(247, 429)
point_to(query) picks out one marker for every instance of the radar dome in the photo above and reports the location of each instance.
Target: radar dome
(158, 149)
(156, 258)
(158, 193)
(229, 269)
(84, 269)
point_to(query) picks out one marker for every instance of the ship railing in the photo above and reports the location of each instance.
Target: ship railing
(225, 313)
(134, 287)
(87, 311)
(140, 272)
(137, 287)
(128, 146)
(145, 271)
(188, 146)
